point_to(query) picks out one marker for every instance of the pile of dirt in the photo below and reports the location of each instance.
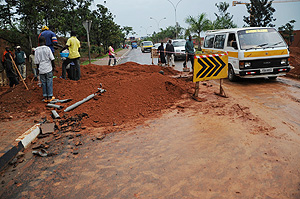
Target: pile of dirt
(132, 91)
(295, 62)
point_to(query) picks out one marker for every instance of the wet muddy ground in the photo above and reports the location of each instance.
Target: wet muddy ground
(244, 146)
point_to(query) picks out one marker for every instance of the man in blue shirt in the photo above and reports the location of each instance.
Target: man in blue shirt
(190, 51)
(51, 39)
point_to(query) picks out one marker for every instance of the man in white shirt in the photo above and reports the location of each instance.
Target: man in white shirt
(44, 60)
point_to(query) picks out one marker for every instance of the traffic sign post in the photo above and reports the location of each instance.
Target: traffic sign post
(208, 67)
(87, 25)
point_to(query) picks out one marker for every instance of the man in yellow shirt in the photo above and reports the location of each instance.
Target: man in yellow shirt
(73, 44)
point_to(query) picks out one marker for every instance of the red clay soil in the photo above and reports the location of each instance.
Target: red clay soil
(133, 92)
(295, 62)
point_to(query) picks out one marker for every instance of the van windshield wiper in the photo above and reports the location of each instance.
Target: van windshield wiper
(257, 46)
(261, 45)
(275, 44)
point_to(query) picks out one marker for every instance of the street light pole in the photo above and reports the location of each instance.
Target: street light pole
(146, 29)
(175, 8)
(158, 21)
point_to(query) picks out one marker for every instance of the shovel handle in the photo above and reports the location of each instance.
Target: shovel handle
(12, 60)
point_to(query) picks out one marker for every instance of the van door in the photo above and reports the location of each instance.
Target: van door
(232, 50)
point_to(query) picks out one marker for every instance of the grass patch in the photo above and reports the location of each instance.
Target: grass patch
(101, 57)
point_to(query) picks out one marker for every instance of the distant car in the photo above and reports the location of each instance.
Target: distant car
(179, 47)
(156, 45)
(146, 46)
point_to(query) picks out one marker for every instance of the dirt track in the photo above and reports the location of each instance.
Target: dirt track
(244, 146)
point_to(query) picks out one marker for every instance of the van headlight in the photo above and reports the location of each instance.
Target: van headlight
(247, 64)
(284, 62)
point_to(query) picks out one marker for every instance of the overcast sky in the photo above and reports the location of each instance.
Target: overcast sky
(137, 13)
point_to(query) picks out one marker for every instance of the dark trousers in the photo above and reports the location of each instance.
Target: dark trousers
(76, 72)
(110, 58)
(13, 81)
(189, 57)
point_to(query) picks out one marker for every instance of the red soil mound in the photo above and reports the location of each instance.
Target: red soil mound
(295, 62)
(133, 91)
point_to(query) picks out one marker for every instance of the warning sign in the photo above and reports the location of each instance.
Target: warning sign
(207, 67)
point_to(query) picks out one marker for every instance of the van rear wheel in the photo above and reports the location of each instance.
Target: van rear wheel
(231, 76)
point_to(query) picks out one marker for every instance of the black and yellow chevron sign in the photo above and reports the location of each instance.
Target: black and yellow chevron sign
(207, 67)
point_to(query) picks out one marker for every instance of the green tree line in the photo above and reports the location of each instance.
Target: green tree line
(21, 21)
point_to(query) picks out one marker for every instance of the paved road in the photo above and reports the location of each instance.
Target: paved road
(244, 146)
(137, 56)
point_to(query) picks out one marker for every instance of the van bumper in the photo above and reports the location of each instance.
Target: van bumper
(252, 73)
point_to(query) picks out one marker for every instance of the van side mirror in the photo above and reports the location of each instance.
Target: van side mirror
(234, 45)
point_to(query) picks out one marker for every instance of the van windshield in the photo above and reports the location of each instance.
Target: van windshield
(148, 43)
(260, 38)
(179, 43)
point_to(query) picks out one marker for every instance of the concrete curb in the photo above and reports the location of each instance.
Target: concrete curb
(120, 58)
(20, 144)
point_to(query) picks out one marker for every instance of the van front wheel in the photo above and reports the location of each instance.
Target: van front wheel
(231, 76)
(272, 78)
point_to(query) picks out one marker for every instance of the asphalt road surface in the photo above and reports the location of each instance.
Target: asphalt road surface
(136, 55)
(243, 146)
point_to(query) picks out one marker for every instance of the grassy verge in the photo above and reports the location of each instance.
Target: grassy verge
(103, 56)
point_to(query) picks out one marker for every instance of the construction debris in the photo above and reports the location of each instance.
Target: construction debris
(55, 115)
(99, 92)
(47, 128)
(54, 106)
(60, 101)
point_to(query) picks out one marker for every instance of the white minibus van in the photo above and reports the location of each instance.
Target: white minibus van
(253, 52)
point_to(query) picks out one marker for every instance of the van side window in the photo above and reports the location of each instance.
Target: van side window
(209, 41)
(219, 41)
(231, 38)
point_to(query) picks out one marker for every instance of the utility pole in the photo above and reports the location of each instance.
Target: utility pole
(175, 9)
(87, 25)
(158, 21)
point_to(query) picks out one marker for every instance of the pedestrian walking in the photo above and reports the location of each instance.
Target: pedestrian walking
(51, 39)
(44, 61)
(20, 60)
(162, 55)
(112, 55)
(9, 69)
(190, 52)
(170, 53)
(73, 44)
(33, 65)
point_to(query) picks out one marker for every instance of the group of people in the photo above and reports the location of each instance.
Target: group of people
(166, 53)
(166, 56)
(42, 62)
(8, 60)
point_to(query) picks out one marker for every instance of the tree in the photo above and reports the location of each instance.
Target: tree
(126, 31)
(104, 30)
(261, 13)
(287, 31)
(198, 24)
(224, 19)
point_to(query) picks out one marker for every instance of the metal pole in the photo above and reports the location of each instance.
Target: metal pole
(175, 9)
(156, 22)
(87, 26)
(88, 39)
